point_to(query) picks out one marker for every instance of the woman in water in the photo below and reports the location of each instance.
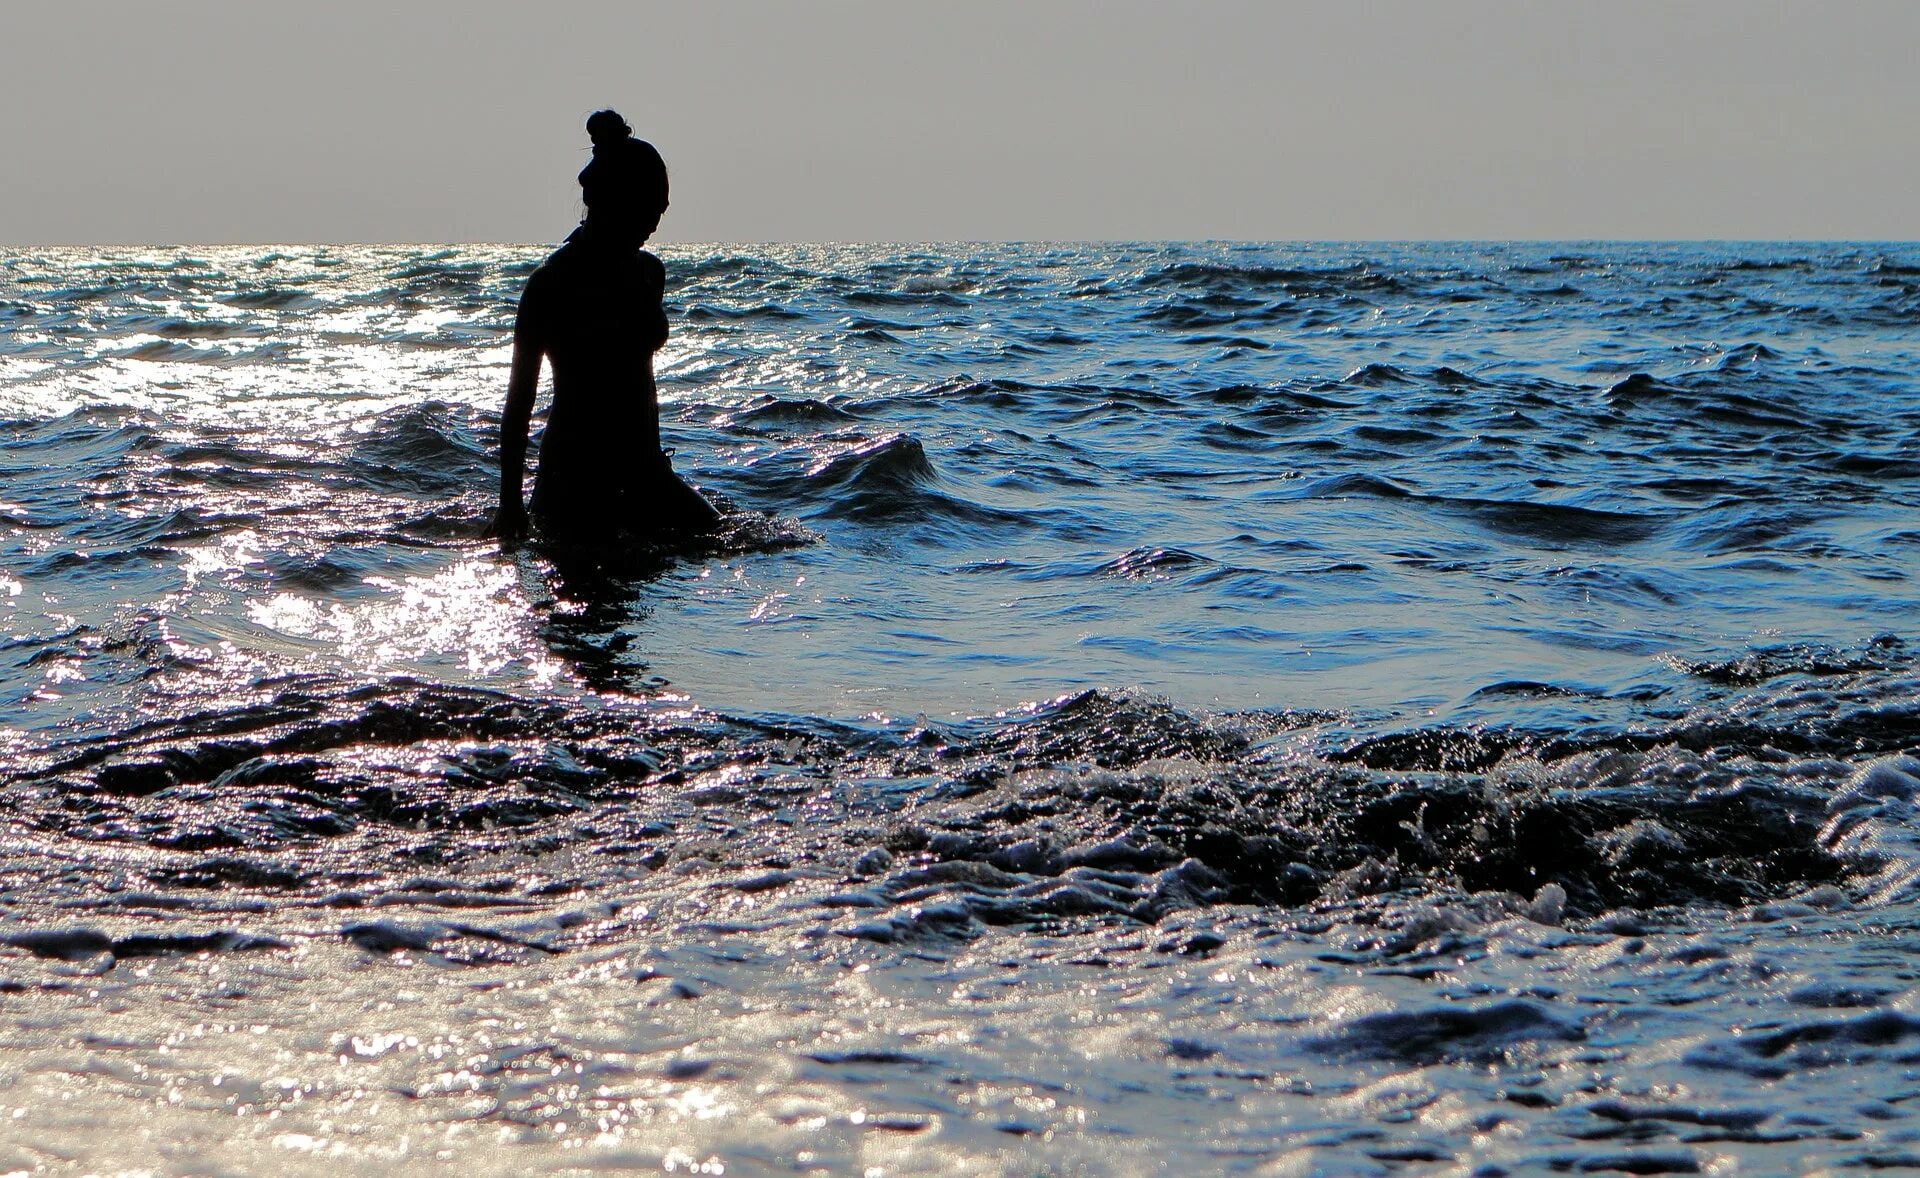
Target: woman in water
(593, 310)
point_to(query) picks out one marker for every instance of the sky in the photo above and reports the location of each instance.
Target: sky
(209, 121)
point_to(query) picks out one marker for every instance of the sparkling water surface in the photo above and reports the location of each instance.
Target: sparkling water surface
(1321, 708)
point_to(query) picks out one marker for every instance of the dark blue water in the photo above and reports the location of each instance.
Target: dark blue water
(1350, 653)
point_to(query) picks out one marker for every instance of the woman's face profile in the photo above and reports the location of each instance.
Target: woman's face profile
(645, 222)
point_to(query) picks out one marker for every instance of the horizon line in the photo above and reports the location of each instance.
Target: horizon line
(991, 241)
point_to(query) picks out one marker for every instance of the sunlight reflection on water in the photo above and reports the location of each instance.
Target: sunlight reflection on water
(472, 613)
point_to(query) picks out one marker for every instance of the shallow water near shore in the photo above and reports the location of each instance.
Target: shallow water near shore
(1281, 709)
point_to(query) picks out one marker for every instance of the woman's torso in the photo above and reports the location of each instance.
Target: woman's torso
(599, 320)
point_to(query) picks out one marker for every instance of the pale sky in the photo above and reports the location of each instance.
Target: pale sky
(203, 121)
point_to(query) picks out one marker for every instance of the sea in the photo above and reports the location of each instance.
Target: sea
(1151, 708)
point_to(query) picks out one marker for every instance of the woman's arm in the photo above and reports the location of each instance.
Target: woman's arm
(510, 521)
(653, 288)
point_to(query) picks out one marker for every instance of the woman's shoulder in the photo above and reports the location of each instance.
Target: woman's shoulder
(564, 256)
(548, 269)
(559, 269)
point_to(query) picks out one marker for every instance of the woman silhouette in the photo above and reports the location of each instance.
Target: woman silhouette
(593, 310)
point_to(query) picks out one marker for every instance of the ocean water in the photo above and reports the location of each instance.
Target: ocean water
(1283, 709)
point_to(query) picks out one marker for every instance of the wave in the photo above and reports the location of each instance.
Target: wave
(1556, 523)
(711, 312)
(1773, 662)
(895, 462)
(1094, 803)
(176, 351)
(1373, 376)
(277, 298)
(781, 413)
(1348, 485)
(1760, 525)
(1395, 435)
(1148, 563)
(428, 449)
(1296, 281)
(904, 298)
(886, 480)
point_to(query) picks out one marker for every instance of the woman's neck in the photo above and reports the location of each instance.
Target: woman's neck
(603, 235)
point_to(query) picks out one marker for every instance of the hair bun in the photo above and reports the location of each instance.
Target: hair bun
(606, 126)
(623, 170)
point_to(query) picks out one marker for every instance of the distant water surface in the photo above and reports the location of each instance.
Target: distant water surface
(1362, 708)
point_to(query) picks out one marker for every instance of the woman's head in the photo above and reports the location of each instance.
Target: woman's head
(606, 127)
(625, 184)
